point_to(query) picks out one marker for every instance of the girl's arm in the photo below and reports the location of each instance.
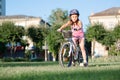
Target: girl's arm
(64, 25)
(80, 24)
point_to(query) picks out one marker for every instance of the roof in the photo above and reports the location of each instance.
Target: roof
(22, 17)
(16, 16)
(109, 12)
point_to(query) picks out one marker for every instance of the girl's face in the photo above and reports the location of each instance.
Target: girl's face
(74, 17)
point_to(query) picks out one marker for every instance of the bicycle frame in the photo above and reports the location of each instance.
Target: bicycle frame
(68, 52)
(72, 49)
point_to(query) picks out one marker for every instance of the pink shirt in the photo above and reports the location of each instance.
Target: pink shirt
(77, 32)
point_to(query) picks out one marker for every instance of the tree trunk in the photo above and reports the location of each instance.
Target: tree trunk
(93, 47)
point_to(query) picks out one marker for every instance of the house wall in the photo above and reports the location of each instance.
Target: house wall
(25, 22)
(109, 23)
(99, 49)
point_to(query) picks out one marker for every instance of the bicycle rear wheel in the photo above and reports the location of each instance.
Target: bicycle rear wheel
(65, 55)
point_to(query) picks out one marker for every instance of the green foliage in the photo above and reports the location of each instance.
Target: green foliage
(57, 18)
(54, 39)
(38, 35)
(111, 36)
(116, 32)
(96, 31)
(113, 51)
(35, 34)
(10, 32)
(90, 33)
(107, 38)
(45, 31)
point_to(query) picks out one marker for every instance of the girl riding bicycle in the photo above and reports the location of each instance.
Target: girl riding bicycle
(77, 32)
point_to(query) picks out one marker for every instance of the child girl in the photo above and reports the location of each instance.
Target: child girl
(77, 32)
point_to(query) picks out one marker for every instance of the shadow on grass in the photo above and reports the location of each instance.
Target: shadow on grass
(26, 64)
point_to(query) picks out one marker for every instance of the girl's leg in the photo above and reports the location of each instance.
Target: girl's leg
(81, 43)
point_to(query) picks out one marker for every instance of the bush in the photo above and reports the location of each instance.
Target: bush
(37, 60)
(10, 59)
(107, 38)
(113, 51)
(18, 59)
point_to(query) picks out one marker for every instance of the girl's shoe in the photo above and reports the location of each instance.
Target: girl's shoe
(81, 64)
(85, 64)
(73, 63)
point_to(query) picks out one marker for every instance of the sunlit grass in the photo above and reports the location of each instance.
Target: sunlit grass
(97, 70)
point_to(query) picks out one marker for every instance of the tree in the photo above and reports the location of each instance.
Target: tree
(58, 16)
(107, 38)
(111, 36)
(116, 32)
(54, 38)
(36, 35)
(11, 33)
(96, 31)
(115, 48)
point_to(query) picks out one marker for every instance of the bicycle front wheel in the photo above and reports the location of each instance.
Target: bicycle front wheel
(65, 55)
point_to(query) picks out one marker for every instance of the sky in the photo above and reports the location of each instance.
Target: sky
(43, 8)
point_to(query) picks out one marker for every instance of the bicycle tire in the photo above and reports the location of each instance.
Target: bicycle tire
(65, 57)
(80, 56)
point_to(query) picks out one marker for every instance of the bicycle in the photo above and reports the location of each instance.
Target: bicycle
(67, 55)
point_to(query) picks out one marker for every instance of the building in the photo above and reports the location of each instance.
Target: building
(2, 7)
(26, 22)
(109, 18)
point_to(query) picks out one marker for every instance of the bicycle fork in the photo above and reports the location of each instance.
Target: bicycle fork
(70, 55)
(71, 50)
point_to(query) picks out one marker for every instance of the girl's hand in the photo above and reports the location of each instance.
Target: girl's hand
(59, 30)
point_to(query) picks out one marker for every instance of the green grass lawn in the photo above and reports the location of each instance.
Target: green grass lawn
(98, 69)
